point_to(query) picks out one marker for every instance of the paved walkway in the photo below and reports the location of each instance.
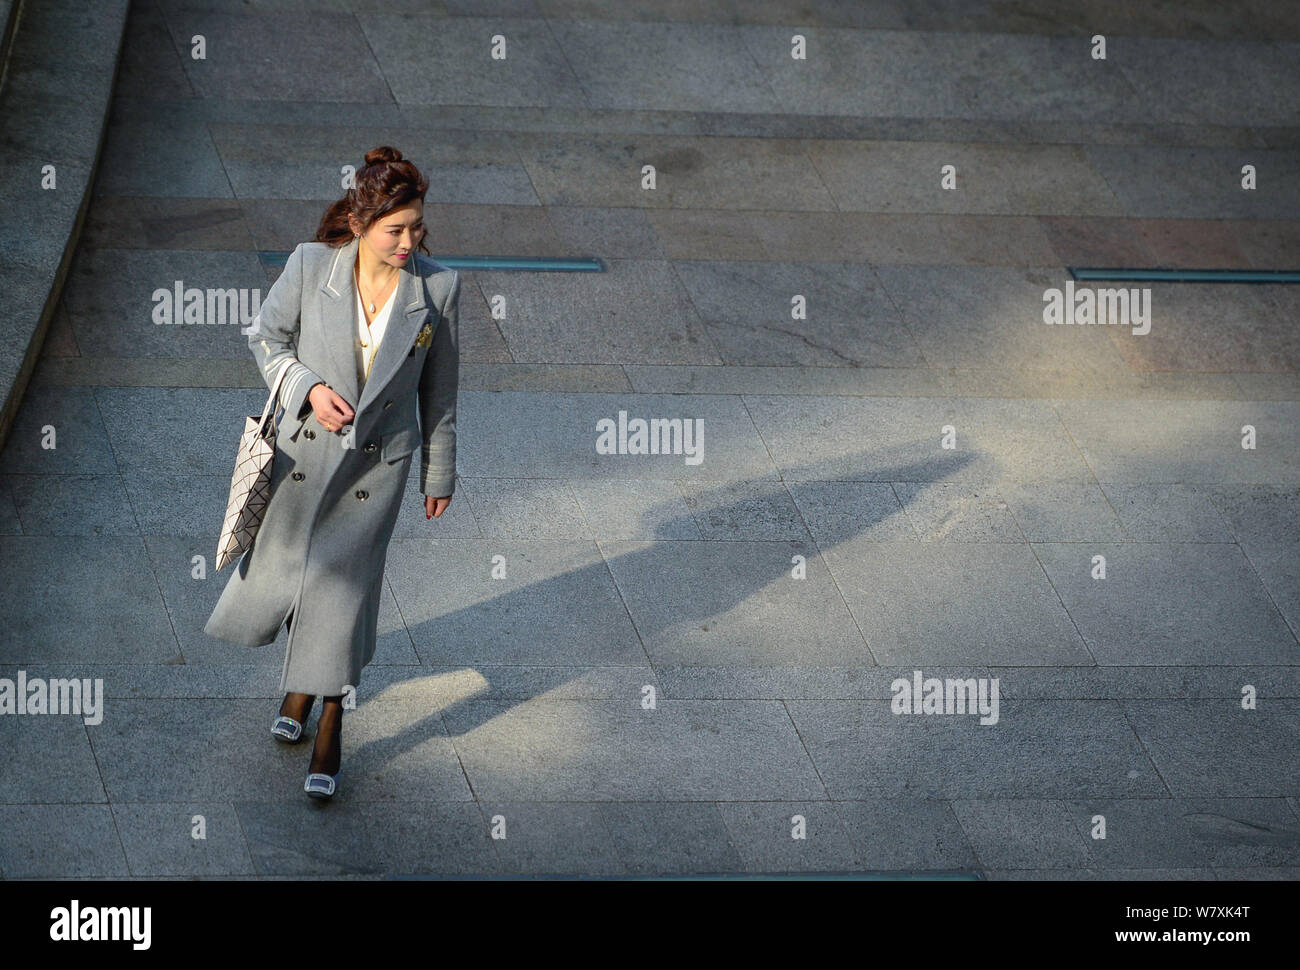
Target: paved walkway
(681, 658)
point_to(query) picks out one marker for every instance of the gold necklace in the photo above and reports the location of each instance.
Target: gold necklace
(361, 341)
(357, 277)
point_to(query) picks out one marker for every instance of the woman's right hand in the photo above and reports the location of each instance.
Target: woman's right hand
(332, 411)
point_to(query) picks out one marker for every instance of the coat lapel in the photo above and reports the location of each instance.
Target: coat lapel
(338, 324)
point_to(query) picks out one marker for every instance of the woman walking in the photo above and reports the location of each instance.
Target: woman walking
(368, 332)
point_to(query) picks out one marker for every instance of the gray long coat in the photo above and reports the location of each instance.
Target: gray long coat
(319, 553)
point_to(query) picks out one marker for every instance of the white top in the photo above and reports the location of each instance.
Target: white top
(371, 335)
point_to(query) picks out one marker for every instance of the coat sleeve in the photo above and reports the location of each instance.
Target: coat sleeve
(273, 339)
(438, 386)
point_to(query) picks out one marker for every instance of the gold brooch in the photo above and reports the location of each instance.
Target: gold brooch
(425, 337)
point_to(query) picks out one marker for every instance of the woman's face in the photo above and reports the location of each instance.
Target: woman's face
(393, 238)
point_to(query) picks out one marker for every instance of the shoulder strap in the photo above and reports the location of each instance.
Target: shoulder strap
(275, 390)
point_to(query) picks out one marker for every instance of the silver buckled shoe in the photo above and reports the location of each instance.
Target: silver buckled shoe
(286, 729)
(321, 785)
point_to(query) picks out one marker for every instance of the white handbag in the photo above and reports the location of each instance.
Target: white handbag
(250, 488)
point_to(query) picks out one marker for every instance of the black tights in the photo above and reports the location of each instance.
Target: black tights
(327, 751)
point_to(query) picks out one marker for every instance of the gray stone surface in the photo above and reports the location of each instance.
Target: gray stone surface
(1167, 513)
(732, 173)
(1219, 749)
(1062, 511)
(1197, 81)
(48, 758)
(60, 505)
(789, 836)
(848, 319)
(1163, 603)
(1188, 833)
(907, 833)
(939, 75)
(615, 751)
(567, 838)
(39, 841)
(182, 839)
(257, 55)
(560, 438)
(111, 303)
(1205, 183)
(1011, 833)
(430, 838)
(734, 602)
(895, 439)
(521, 508)
(1193, 442)
(173, 158)
(667, 836)
(83, 598)
(635, 509)
(957, 512)
(1038, 749)
(303, 838)
(59, 431)
(457, 612)
(990, 179)
(955, 603)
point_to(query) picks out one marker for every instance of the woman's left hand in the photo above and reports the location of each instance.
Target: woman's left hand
(434, 507)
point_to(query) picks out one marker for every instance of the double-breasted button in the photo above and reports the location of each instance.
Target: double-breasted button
(309, 433)
(362, 494)
(298, 476)
(388, 404)
(371, 446)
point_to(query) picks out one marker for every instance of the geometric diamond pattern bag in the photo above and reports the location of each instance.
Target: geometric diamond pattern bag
(250, 488)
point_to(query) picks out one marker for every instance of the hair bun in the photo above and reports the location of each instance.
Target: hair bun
(384, 153)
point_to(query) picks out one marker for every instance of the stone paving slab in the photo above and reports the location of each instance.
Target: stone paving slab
(294, 838)
(433, 685)
(70, 612)
(930, 75)
(955, 603)
(789, 836)
(732, 173)
(1211, 81)
(1218, 750)
(38, 841)
(761, 615)
(182, 839)
(474, 617)
(851, 321)
(1138, 682)
(1153, 182)
(1260, 512)
(1161, 603)
(1173, 513)
(1136, 875)
(1009, 833)
(1141, 833)
(166, 159)
(561, 439)
(912, 834)
(1187, 441)
(1038, 749)
(616, 751)
(48, 759)
(112, 304)
(1020, 180)
(895, 440)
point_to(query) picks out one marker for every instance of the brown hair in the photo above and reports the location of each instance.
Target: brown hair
(384, 183)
